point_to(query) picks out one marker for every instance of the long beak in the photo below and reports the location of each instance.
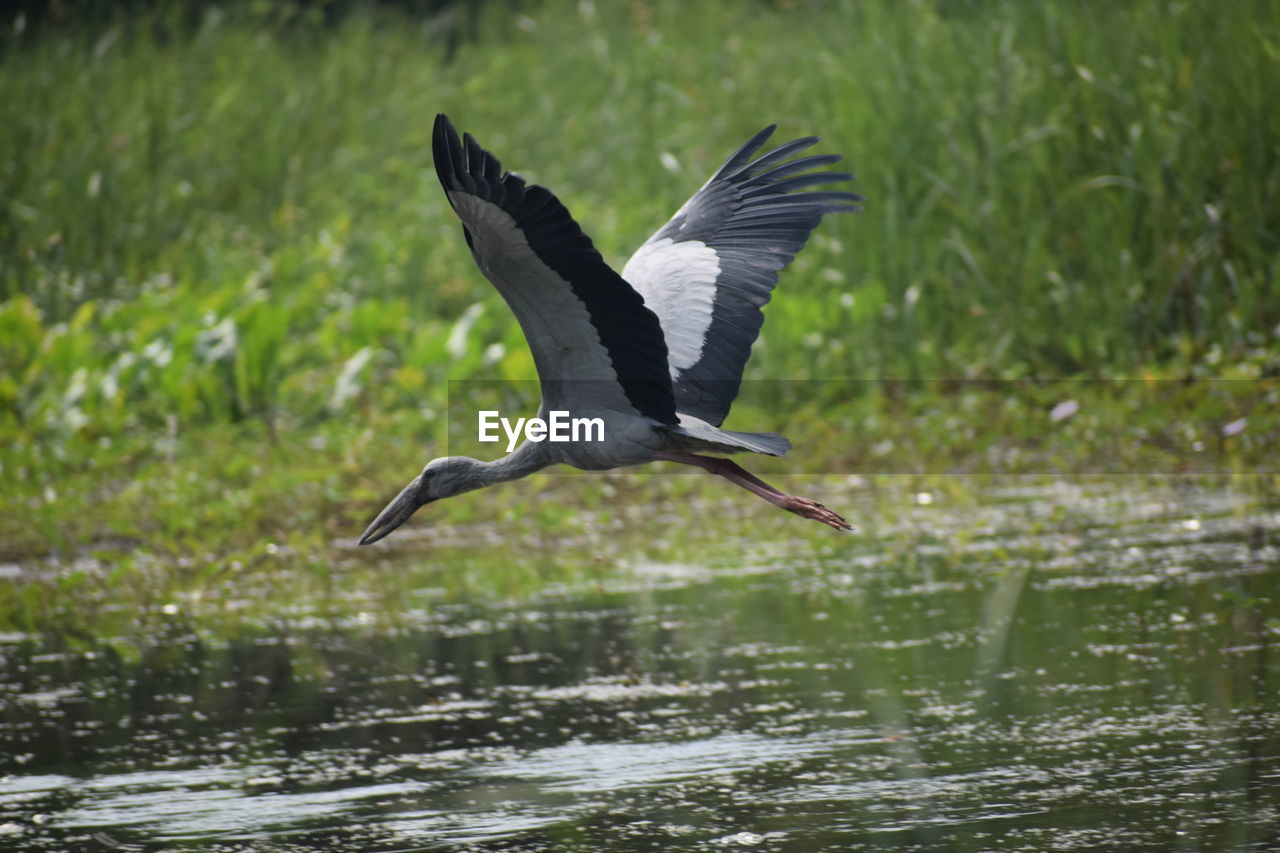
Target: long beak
(395, 513)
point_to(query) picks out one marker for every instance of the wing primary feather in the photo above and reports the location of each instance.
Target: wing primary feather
(795, 167)
(582, 320)
(744, 153)
(473, 166)
(494, 178)
(713, 266)
(797, 183)
(782, 152)
(461, 174)
(443, 137)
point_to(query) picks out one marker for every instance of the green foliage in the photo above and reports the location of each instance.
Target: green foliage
(1054, 189)
(227, 273)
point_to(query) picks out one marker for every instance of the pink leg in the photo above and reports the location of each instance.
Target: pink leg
(735, 473)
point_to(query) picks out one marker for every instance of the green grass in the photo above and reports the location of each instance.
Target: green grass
(232, 296)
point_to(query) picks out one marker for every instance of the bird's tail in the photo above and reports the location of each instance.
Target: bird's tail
(768, 443)
(716, 440)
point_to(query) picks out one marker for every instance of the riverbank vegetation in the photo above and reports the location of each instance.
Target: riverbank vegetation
(236, 313)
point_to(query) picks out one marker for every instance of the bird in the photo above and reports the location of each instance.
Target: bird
(656, 352)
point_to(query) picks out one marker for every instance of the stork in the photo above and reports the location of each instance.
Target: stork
(656, 352)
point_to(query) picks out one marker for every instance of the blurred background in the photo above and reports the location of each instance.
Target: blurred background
(233, 298)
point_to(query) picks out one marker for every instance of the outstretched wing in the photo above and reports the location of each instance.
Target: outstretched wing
(709, 271)
(594, 341)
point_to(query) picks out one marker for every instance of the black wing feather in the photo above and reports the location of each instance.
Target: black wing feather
(751, 213)
(628, 330)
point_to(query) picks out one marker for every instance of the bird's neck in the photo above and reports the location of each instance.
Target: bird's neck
(524, 460)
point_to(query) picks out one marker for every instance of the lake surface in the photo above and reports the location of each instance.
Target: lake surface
(1048, 669)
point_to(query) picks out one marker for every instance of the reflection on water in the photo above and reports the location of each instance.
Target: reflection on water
(1014, 680)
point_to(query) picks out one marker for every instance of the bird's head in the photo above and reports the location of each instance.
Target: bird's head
(442, 478)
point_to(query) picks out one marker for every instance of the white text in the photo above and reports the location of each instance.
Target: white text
(559, 427)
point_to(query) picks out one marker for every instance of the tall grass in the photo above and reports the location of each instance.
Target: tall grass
(239, 222)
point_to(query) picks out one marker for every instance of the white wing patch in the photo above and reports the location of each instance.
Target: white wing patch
(678, 282)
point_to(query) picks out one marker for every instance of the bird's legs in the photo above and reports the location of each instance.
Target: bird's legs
(735, 473)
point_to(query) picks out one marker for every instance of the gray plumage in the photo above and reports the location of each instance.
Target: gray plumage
(655, 353)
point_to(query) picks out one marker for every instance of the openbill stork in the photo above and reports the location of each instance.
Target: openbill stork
(657, 352)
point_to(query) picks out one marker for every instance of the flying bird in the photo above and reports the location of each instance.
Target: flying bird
(655, 352)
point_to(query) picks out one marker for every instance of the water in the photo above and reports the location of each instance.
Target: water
(1010, 676)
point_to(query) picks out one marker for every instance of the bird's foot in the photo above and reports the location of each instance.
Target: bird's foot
(806, 508)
